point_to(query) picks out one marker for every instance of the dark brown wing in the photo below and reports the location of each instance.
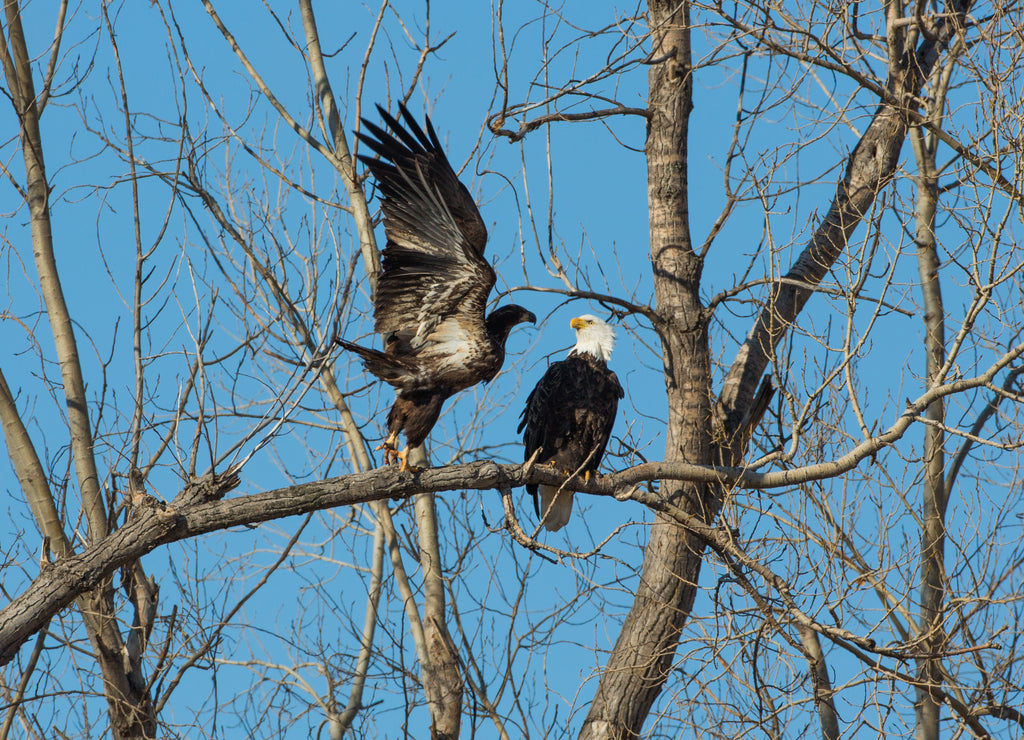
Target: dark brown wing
(606, 392)
(545, 422)
(433, 265)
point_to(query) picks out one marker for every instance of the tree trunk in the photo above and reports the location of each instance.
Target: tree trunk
(442, 680)
(643, 654)
(640, 662)
(933, 504)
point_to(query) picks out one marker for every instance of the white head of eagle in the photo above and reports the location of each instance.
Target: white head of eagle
(593, 337)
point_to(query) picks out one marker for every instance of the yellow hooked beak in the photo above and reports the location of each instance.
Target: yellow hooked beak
(578, 323)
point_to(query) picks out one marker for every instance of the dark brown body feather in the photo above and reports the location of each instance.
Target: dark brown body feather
(434, 282)
(570, 414)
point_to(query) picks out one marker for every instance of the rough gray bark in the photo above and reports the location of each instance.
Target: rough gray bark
(443, 684)
(640, 661)
(18, 72)
(638, 666)
(442, 679)
(870, 168)
(199, 509)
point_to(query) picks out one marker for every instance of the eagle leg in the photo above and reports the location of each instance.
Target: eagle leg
(404, 457)
(390, 447)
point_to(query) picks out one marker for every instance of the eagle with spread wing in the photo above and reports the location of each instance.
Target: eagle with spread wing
(434, 282)
(569, 416)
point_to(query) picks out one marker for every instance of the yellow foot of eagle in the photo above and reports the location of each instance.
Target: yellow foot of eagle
(390, 447)
(404, 457)
(586, 474)
(392, 455)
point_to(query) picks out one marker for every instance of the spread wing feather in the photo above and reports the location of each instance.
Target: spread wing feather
(433, 265)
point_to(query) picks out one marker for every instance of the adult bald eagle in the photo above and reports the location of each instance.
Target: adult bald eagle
(570, 414)
(433, 286)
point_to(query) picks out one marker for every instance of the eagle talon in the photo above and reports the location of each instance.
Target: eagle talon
(390, 453)
(390, 447)
(404, 457)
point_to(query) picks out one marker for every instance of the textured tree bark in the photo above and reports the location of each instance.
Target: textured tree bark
(822, 685)
(639, 664)
(18, 71)
(934, 494)
(131, 709)
(870, 168)
(442, 680)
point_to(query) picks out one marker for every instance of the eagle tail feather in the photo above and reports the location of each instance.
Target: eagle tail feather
(387, 367)
(555, 507)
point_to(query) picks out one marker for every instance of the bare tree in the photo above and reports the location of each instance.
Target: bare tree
(829, 542)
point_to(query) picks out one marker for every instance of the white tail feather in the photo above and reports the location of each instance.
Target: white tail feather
(555, 507)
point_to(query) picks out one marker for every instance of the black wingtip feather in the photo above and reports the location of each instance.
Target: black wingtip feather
(433, 134)
(400, 146)
(411, 135)
(383, 143)
(428, 140)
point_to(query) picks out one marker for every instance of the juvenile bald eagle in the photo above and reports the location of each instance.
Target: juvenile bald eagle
(570, 414)
(433, 286)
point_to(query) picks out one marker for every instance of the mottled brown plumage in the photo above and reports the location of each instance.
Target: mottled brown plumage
(434, 282)
(569, 416)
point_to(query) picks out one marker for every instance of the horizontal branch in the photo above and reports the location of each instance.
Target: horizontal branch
(495, 121)
(200, 508)
(635, 308)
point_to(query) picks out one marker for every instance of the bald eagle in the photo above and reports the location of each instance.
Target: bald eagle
(433, 286)
(570, 414)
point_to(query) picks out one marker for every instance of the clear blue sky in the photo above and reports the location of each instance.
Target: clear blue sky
(597, 196)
